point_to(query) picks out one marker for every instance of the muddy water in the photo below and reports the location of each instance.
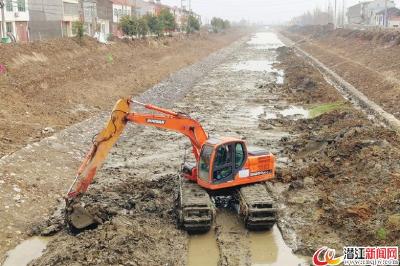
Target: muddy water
(295, 112)
(239, 111)
(26, 252)
(203, 249)
(269, 248)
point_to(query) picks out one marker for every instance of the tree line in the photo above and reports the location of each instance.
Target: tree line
(158, 25)
(219, 24)
(315, 17)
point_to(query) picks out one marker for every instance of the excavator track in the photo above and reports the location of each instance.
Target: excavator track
(256, 207)
(195, 208)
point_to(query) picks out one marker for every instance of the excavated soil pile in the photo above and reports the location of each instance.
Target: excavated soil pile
(53, 84)
(318, 31)
(352, 167)
(138, 226)
(366, 59)
(342, 176)
(303, 83)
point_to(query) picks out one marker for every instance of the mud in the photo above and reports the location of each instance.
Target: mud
(341, 175)
(337, 177)
(366, 59)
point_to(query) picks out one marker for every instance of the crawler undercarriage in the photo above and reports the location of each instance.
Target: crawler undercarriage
(196, 206)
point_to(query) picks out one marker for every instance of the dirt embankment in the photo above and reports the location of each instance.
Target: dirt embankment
(366, 59)
(50, 85)
(342, 178)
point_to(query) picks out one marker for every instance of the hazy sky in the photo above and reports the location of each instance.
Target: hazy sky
(267, 11)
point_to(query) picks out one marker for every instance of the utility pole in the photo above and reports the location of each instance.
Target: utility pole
(343, 13)
(3, 20)
(334, 16)
(82, 13)
(94, 17)
(386, 14)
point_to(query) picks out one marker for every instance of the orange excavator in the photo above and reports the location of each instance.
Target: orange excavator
(224, 166)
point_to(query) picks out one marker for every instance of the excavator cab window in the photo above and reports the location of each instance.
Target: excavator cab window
(228, 160)
(239, 155)
(204, 165)
(223, 167)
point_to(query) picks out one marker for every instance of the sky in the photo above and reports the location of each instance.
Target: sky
(265, 11)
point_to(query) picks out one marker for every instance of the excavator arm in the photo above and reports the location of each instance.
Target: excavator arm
(105, 140)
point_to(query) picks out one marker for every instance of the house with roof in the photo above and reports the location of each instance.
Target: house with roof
(357, 14)
(366, 13)
(393, 18)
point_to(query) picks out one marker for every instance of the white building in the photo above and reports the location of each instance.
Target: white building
(16, 19)
(375, 7)
(181, 17)
(71, 10)
(144, 8)
(393, 18)
(120, 11)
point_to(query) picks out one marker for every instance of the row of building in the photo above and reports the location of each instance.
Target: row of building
(30, 20)
(377, 13)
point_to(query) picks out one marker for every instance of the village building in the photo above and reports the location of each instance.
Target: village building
(393, 18)
(46, 19)
(369, 13)
(71, 13)
(52, 18)
(16, 20)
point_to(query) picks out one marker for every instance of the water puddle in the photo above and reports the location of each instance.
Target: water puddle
(254, 65)
(26, 252)
(294, 112)
(269, 248)
(280, 78)
(260, 66)
(203, 250)
(265, 40)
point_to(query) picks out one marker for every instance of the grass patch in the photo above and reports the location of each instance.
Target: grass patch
(318, 110)
(381, 233)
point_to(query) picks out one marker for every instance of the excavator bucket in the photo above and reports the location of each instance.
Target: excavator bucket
(76, 215)
(81, 218)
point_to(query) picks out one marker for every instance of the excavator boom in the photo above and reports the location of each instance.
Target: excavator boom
(105, 140)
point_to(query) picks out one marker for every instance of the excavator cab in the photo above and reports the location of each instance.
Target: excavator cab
(219, 163)
(228, 162)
